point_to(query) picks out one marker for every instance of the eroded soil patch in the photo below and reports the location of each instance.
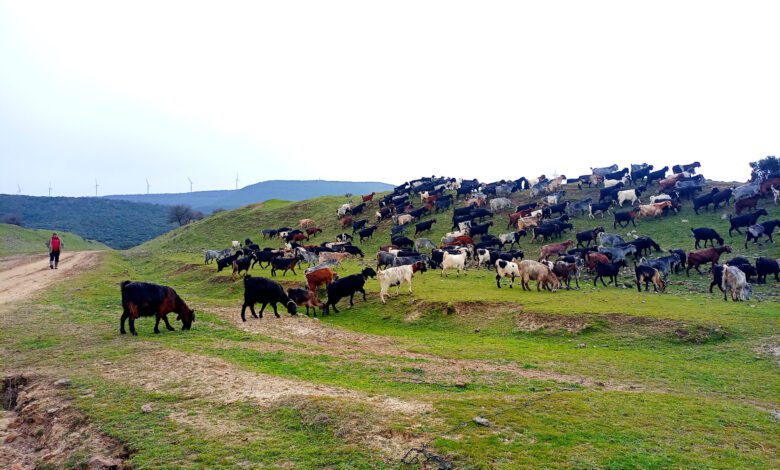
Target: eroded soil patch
(43, 430)
(639, 326)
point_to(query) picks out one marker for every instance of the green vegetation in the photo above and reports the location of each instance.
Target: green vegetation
(118, 224)
(17, 240)
(595, 378)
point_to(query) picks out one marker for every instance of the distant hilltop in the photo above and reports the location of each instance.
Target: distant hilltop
(290, 190)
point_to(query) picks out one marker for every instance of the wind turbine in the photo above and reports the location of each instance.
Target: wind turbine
(18, 189)
(50, 188)
(236, 181)
(147, 185)
(190, 183)
(96, 187)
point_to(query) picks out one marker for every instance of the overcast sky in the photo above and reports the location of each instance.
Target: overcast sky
(121, 91)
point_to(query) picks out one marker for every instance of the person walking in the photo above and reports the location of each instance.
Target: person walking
(55, 245)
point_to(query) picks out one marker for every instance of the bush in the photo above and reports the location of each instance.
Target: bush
(13, 219)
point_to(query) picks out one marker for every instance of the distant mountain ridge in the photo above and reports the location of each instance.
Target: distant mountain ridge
(290, 190)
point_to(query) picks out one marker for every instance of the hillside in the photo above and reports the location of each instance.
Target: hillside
(18, 240)
(247, 222)
(207, 201)
(590, 378)
(118, 224)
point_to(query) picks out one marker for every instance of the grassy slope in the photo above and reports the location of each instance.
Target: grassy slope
(703, 397)
(17, 240)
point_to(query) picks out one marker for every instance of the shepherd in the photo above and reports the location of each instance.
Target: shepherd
(55, 245)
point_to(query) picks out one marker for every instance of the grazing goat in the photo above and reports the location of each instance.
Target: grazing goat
(654, 210)
(599, 208)
(424, 226)
(631, 195)
(766, 266)
(735, 283)
(367, 233)
(554, 249)
(144, 299)
(320, 277)
(303, 298)
(657, 175)
(506, 268)
(210, 255)
(397, 276)
(610, 270)
(707, 255)
(592, 259)
(745, 220)
(347, 286)
(708, 235)
(683, 259)
(588, 236)
(746, 203)
(539, 272)
(764, 229)
(610, 239)
(566, 271)
(451, 261)
(618, 253)
(265, 291)
(663, 265)
(624, 218)
(648, 274)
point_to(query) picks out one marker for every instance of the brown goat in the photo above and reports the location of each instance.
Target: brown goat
(554, 249)
(707, 255)
(745, 204)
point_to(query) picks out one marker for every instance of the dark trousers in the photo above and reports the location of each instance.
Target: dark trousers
(54, 258)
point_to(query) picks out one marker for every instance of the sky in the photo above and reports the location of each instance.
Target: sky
(119, 92)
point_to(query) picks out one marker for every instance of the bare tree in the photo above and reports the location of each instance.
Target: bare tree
(183, 215)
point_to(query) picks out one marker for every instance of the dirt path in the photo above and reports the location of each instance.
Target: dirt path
(22, 276)
(210, 379)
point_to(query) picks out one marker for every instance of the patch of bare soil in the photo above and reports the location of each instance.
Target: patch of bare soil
(215, 380)
(770, 348)
(40, 429)
(335, 341)
(471, 310)
(632, 324)
(186, 268)
(532, 322)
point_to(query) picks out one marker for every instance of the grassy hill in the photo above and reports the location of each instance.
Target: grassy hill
(594, 378)
(207, 201)
(118, 224)
(18, 240)
(247, 222)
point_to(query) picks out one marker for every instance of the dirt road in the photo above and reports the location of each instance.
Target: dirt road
(22, 276)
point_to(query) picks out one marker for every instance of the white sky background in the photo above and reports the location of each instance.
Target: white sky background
(378, 91)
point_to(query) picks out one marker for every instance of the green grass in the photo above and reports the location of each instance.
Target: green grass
(16, 240)
(678, 380)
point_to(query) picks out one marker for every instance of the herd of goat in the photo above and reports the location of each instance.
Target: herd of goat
(470, 243)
